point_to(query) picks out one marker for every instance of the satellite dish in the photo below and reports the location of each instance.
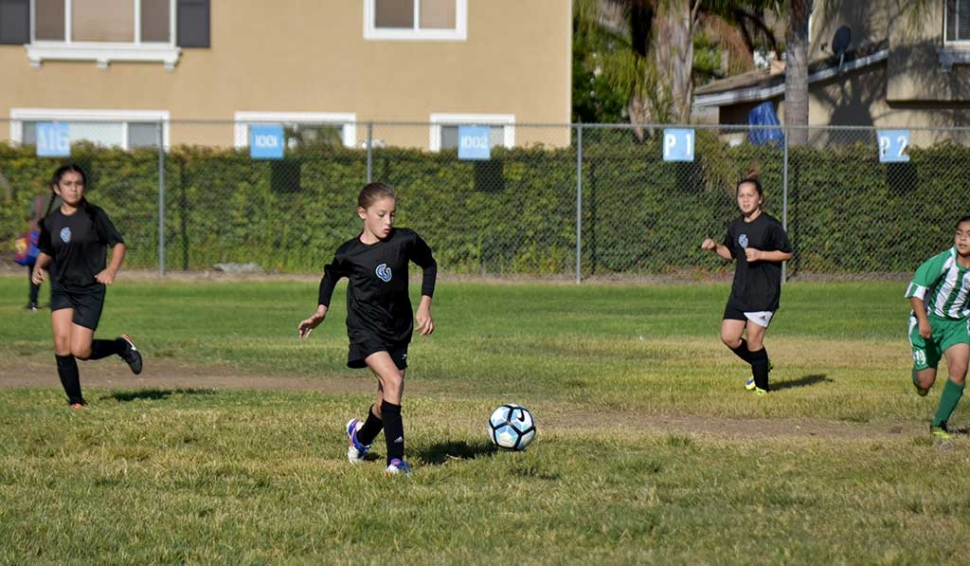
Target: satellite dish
(840, 43)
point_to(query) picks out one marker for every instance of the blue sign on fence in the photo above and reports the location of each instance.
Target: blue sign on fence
(893, 145)
(266, 142)
(53, 140)
(474, 142)
(678, 145)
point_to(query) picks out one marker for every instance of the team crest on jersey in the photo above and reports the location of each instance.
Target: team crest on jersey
(65, 234)
(383, 272)
(743, 240)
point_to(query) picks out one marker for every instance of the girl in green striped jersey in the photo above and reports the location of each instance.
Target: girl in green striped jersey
(939, 325)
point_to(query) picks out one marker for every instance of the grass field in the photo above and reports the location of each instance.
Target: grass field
(229, 448)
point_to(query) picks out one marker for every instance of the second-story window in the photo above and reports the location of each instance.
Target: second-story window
(957, 21)
(416, 19)
(104, 21)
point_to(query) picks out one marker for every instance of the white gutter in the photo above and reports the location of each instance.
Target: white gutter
(764, 93)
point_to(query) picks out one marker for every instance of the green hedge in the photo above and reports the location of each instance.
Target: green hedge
(847, 212)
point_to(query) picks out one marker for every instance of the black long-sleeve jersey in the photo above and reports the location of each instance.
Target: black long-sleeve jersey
(757, 286)
(78, 245)
(378, 305)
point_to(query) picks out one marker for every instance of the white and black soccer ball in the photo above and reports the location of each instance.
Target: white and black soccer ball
(511, 427)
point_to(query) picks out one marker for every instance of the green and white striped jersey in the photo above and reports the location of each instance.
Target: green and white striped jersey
(944, 285)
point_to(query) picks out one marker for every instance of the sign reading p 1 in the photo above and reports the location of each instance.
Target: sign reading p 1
(892, 146)
(474, 142)
(266, 142)
(678, 145)
(53, 140)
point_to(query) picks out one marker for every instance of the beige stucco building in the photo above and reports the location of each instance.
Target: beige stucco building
(879, 64)
(205, 70)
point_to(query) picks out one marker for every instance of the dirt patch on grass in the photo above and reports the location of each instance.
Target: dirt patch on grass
(169, 374)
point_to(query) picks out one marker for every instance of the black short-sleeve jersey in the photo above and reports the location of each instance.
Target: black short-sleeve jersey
(78, 245)
(378, 305)
(757, 286)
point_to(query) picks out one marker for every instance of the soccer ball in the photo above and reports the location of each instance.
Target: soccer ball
(511, 427)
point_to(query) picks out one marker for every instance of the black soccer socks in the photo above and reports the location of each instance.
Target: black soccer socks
(372, 427)
(70, 379)
(393, 430)
(742, 351)
(759, 368)
(104, 348)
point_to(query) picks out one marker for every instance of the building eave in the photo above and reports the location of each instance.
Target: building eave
(761, 93)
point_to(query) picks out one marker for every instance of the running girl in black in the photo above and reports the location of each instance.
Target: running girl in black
(74, 240)
(379, 316)
(759, 244)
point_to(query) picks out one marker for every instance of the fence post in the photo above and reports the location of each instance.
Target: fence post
(579, 202)
(370, 155)
(784, 203)
(161, 199)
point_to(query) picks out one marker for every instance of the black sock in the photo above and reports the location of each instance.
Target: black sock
(759, 368)
(372, 427)
(70, 378)
(393, 430)
(34, 288)
(104, 348)
(742, 351)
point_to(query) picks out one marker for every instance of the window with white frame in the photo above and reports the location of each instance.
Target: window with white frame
(107, 128)
(417, 20)
(103, 31)
(957, 21)
(444, 129)
(302, 129)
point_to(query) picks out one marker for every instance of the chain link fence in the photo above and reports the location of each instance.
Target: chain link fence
(569, 202)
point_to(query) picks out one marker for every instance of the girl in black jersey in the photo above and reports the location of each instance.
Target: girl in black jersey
(74, 239)
(759, 244)
(379, 316)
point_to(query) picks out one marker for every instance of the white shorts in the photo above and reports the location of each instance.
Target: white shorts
(761, 318)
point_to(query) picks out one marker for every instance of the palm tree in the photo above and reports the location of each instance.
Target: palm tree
(656, 69)
(796, 70)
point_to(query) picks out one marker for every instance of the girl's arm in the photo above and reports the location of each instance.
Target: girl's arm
(107, 277)
(307, 325)
(423, 316)
(40, 268)
(754, 255)
(919, 310)
(332, 272)
(720, 249)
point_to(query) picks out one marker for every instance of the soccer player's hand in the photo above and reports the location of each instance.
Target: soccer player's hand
(752, 254)
(106, 277)
(708, 244)
(307, 326)
(925, 330)
(425, 324)
(38, 276)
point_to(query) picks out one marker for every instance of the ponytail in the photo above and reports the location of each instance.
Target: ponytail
(752, 178)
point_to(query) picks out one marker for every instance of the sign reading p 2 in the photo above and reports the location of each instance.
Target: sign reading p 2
(893, 145)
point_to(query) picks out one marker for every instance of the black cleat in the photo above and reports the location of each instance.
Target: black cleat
(131, 355)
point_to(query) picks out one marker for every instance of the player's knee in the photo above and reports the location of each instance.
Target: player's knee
(81, 353)
(392, 385)
(732, 342)
(958, 374)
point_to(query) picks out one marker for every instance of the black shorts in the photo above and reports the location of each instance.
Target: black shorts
(733, 312)
(360, 350)
(87, 304)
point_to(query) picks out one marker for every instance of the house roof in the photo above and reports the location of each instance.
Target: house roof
(759, 85)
